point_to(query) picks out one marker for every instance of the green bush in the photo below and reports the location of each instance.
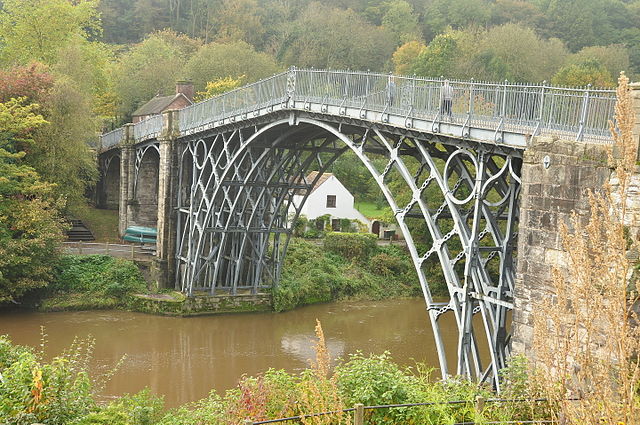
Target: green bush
(387, 265)
(309, 276)
(353, 246)
(55, 393)
(300, 225)
(143, 408)
(210, 410)
(99, 274)
(374, 380)
(314, 274)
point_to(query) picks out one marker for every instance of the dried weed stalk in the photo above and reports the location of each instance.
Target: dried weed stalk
(586, 342)
(319, 390)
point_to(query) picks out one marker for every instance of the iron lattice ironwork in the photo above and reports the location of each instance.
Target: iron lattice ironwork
(236, 215)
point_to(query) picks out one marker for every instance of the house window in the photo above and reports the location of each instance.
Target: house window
(331, 201)
(335, 225)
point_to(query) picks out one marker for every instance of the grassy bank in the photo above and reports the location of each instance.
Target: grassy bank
(345, 265)
(88, 282)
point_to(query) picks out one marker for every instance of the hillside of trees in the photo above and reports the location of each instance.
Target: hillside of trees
(70, 69)
(130, 50)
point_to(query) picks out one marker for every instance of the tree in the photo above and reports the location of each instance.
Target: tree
(220, 60)
(150, 67)
(30, 228)
(31, 81)
(59, 150)
(573, 21)
(438, 58)
(614, 58)
(590, 71)
(324, 37)
(36, 30)
(517, 53)
(401, 21)
(516, 11)
(457, 14)
(405, 56)
(60, 153)
(238, 20)
(219, 86)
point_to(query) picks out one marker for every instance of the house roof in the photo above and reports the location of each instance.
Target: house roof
(310, 177)
(157, 105)
(323, 178)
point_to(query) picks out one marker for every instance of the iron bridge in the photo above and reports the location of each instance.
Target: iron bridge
(452, 181)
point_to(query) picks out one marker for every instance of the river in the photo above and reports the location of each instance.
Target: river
(184, 358)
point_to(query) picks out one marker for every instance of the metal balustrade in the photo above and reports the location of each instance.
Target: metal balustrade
(538, 109)
(580, 114)
(112, 138)
(262, 94)
(148, 128)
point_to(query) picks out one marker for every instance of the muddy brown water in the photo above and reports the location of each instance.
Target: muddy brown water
(185, 358)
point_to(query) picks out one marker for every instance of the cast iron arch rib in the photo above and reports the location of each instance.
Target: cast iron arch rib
(235, 226)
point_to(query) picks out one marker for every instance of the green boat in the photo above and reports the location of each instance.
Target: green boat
(139, 234)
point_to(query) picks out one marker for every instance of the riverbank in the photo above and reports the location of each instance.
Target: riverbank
(344, 266)
(64, 390)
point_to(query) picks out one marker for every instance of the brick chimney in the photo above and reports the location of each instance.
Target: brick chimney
(186, 88)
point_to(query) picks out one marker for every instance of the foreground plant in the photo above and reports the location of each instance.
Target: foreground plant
(586, 338)
(318, 388)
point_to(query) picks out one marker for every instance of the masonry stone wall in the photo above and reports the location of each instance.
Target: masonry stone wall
(556, 176)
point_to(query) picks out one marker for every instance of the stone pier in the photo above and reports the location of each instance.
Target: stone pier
(556, 177)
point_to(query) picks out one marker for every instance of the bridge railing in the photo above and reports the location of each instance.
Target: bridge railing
(530, 109)
(147, 128)
(112, 138)
(538, 109)
(261, 94)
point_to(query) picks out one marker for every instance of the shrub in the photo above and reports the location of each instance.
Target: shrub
(309, 276)
(312, 274)
(387, 265)
(300, 225)
(377, 380)
(269, 395)
(209, 410)
(99, 274)
(143, 408)
(354, 246)
(58, 392)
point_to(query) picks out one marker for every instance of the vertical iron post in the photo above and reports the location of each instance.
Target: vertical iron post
(583, 114)
(541, 106)
(471, 94)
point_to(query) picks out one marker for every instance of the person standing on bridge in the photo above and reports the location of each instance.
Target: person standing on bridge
(447, 98)
(391, 90)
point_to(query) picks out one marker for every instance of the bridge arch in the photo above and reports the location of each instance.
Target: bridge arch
(108, 195)
(145, 184)
(457, 205)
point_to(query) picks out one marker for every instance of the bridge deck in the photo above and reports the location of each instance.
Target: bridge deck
(504, 113)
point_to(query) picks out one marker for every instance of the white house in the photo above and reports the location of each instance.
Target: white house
(328, 196)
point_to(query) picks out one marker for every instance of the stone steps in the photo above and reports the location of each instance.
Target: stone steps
(79, 232)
